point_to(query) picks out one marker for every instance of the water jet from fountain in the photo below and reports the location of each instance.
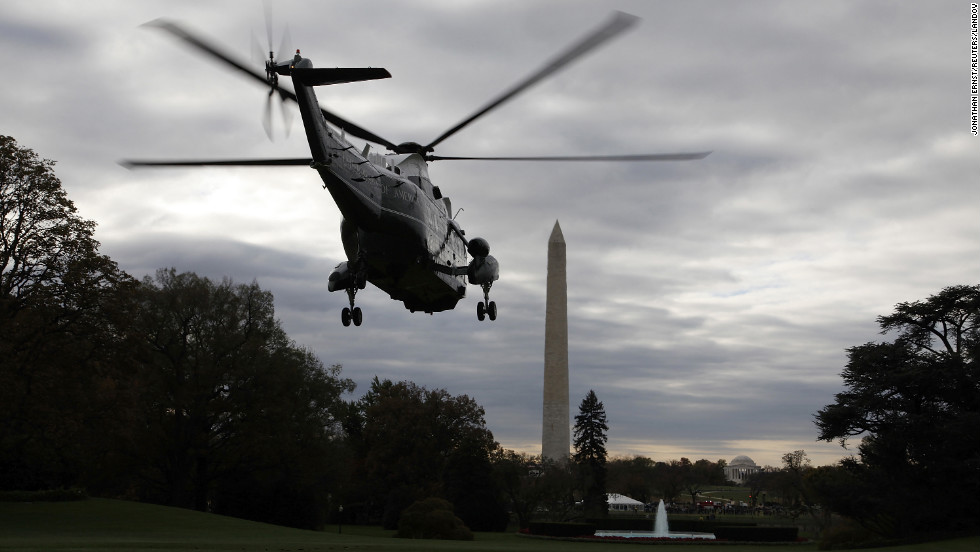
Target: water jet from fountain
(660, 528)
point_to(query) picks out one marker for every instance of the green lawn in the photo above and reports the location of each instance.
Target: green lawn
(112, 525)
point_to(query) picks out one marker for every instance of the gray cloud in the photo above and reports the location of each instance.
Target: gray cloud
(710, 302)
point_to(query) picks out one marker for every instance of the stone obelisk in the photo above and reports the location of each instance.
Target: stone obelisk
(555, 438)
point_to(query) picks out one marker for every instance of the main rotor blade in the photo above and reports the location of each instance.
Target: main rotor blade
(141, 164)
(354, 130)
(619, 23)
(638, 157)
(204, 46)
(207, 48)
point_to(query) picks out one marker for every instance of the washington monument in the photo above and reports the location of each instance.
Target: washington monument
(555, 438)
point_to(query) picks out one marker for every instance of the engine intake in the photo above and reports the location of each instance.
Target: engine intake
(483, 270)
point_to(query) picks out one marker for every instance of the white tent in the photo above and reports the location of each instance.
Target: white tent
(623, 503)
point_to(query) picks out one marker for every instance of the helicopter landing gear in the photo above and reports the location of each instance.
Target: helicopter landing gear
(352, 313)
(486, 308)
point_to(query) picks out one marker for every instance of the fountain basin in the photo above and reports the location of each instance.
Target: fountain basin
(654, 535)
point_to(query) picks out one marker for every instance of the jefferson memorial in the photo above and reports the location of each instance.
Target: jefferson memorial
(740, 468)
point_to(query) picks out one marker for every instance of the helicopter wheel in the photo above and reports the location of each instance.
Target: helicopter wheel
(345, 316)
(357, 316)
(486, 310)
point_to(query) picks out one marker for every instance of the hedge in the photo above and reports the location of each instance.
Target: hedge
(757, 534)
(622, 524)
(556, 529)
(704, 525)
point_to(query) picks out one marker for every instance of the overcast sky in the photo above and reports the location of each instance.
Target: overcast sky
(710, 303)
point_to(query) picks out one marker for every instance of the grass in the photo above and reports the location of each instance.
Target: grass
(112, 525)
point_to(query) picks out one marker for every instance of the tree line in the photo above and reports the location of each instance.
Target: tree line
(180, 390)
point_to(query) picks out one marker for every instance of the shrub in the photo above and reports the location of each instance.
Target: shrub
(432, 518)
(845, 535)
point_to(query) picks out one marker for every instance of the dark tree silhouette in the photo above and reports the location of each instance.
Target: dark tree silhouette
(411, 443)
(535, 487)
(235, 417)
(590, 455)
(62, 317)
(632, 476)
(915, 404)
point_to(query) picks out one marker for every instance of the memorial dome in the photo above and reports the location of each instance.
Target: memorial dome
(742, 461)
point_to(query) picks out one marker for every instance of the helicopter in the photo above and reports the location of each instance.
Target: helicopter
(398, 229)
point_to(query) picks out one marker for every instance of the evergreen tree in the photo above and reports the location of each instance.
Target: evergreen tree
(590, 455)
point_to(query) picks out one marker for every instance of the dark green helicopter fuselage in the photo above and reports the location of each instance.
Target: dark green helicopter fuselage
(397, 227)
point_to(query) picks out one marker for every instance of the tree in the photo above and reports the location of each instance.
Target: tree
(516, 474)
(791, 484)
(288, 445)
(469, 484)
(831, 489)
(692, 480)
(758, 482)
(696, 476)
(235, 417)
(668, 480)
(590, 455)
(63, 315)
(915, 403)
(410, 443)
(633, 477)
(535, 487)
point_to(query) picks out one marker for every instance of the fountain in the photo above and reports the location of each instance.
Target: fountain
(660, 530)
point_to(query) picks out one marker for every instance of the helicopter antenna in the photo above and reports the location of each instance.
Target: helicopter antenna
(457, 213)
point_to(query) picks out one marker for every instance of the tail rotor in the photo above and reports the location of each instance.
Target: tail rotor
(272, 77)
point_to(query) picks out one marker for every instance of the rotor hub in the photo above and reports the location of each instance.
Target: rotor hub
(413, 147)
